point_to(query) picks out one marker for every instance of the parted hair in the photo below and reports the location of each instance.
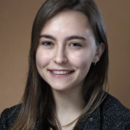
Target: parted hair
(38, 103)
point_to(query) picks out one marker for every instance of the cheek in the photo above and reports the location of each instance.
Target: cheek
(42, 58)
(81, 60)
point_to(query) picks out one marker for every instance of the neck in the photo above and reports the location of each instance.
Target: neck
(68, 104)
(69, 99)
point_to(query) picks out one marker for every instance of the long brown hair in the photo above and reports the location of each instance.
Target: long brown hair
(38, 103)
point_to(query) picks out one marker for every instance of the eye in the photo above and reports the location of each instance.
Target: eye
(75, 45)
(47, 43)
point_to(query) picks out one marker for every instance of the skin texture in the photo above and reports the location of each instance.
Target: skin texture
(67, 43)
(63, 54)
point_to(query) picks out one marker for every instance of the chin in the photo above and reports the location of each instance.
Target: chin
(61, 89)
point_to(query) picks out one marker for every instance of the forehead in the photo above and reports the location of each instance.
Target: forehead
(67, 22)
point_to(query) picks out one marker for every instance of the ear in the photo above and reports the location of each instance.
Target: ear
(99, 51)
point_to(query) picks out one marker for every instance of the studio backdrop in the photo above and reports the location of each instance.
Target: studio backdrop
(16, 19)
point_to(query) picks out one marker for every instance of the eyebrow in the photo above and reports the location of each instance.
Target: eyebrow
(67, 39)
(48, 37)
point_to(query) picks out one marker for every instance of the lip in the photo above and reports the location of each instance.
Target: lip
(60, 70)
(60, 75)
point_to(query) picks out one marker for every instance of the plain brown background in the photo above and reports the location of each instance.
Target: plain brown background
(16, 18)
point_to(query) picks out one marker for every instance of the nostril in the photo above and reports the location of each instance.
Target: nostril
(60, 56)
(60, 60)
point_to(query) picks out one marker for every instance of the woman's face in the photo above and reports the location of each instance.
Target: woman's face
(66, 50)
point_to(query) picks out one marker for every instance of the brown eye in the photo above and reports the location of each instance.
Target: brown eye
(75, 45)
(47, 43)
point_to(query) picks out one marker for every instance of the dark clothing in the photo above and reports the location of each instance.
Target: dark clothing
(110, 115)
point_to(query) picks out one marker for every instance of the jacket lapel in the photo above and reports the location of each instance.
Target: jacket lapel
(90, 123)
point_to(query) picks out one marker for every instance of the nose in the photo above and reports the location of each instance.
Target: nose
(60, 56)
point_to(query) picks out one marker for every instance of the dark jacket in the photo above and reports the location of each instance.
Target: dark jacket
(110, 115)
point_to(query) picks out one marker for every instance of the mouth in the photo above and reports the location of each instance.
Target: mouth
(60, 73)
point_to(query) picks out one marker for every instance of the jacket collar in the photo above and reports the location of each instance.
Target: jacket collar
(91, 122)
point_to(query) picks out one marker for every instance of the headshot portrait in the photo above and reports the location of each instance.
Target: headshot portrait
(70, 69)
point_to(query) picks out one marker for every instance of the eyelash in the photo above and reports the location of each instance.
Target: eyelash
(75, 44)
(47, 43)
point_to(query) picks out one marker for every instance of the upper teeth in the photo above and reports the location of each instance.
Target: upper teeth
(61, 72)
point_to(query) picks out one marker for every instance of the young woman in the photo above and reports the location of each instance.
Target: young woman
(68, 73)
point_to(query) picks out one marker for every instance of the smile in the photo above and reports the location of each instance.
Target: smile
(61, 72)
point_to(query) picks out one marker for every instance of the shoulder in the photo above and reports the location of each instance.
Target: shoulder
(8, 117)
(114, 114)
(113, 106)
